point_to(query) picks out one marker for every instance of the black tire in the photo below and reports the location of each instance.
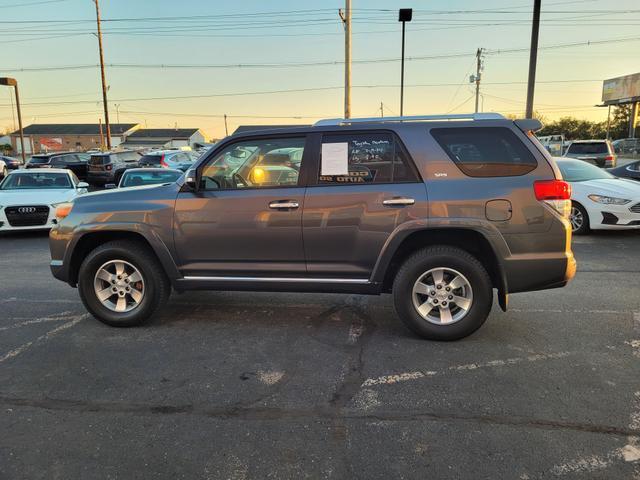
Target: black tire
(453, 258)
(585, 227)
(156, 284)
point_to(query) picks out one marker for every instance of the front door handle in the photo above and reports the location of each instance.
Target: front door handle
(288, 204)
(398, 202)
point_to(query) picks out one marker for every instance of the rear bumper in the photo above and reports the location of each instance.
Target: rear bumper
(539, 271)
(100, 177)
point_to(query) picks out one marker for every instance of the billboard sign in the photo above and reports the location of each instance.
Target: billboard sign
(621, 90)
(51, 144)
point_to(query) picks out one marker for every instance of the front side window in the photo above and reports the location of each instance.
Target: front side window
(259, 163)
(34, 181)
(363, 158)
(485, 151)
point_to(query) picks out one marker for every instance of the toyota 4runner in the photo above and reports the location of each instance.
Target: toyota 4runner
(439, 211)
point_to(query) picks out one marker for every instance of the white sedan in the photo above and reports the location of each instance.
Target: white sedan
(28, 198)
(599, 200)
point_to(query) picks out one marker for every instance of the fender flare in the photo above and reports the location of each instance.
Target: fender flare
(485, 228)
(143, 230)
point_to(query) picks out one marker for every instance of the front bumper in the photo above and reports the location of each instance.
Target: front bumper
(614, 217)
(5, 225)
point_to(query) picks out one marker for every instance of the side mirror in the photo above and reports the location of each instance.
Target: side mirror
(81, 185)
(109, 186)
(191, 179)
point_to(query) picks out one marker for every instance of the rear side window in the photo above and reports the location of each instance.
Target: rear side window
(370, 158)
(485, 151)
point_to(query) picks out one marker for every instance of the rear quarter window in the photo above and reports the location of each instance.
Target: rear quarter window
(485, 151)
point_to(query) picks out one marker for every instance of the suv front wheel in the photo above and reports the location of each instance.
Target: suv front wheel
(442, 293)
(121, 283)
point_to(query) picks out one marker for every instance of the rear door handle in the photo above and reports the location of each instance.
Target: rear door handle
(288, 204)
(398, 202)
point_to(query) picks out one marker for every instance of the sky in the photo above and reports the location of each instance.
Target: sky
(280, 61)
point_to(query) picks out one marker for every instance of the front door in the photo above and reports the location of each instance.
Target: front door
(246, 219)
(350, 214)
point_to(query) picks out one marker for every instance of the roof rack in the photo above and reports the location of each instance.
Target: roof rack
(416, 118)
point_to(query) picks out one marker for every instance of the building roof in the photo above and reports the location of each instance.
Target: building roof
(254, 128)
(170, 133)
(142, 142)
(74, 129)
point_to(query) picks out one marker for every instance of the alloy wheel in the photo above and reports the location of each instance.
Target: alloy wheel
(576, 218)
(442, 296)
(119, 286)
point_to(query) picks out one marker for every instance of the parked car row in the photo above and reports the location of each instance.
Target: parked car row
(100, 168)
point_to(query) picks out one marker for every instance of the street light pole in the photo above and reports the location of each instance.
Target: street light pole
(104, 80)
(533, 57)
(12, 82)
(346, 19)
(404, 16)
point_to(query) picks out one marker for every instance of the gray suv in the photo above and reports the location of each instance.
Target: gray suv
(439, 211)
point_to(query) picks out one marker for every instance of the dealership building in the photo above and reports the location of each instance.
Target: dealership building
(53, 137)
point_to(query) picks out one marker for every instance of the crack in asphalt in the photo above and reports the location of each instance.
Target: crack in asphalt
(329, 413)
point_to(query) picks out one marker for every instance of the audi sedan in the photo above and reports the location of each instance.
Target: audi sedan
(29, 198)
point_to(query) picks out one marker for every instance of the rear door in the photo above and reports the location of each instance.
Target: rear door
(364, 186)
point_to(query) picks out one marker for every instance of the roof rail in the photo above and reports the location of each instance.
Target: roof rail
(416, 118)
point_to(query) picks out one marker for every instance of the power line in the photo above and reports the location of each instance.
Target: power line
(296, 90)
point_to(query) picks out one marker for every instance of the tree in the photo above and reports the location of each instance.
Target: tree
(576, 129)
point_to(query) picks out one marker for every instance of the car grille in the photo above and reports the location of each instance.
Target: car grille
(27, 215)
(635, 208)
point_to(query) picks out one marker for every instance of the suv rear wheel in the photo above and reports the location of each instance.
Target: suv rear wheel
(122, 284)
(442, 293)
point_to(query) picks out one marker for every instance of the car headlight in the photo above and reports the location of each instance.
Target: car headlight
(608, 200)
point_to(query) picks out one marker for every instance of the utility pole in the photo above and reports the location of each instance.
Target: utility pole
(117, 105)
(101, 135)
(478, 76)
(226, 129)
(104, 80)
(404, 16)
(12, 82)
(381, 110)
(533, 57)
(346, 19)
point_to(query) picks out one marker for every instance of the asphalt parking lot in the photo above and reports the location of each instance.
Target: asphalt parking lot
(248, 385)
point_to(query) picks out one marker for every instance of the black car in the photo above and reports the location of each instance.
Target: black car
(74, 161)
(108, 167)
(11, 163)
(630, 170)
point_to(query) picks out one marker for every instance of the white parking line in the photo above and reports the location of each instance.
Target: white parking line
(408, 376)
(57, 318)
(42, 338)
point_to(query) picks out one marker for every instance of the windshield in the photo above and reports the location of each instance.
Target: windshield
(579, 171)
(588, 148)
(39, 160)
(137, 178)
(33, 181)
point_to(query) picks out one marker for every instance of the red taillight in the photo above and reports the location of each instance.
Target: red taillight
(162, 162)
(108, 167)
(609, 158)
(552, 190)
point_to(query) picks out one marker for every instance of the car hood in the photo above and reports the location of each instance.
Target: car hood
(613, 187)
(36, 197)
